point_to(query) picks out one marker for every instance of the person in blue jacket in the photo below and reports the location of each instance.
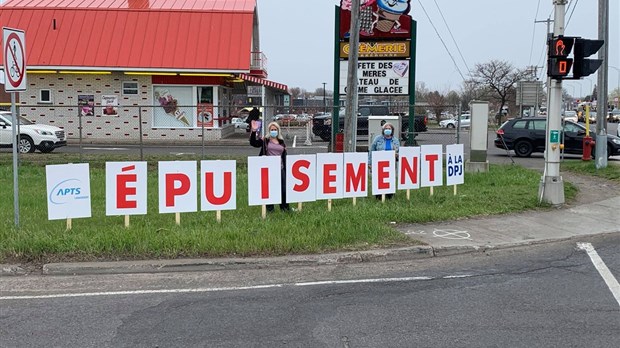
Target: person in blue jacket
(386, 141)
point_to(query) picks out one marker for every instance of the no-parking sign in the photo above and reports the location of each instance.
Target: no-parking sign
(14, 58)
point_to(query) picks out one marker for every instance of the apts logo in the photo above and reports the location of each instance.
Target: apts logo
(67, 191)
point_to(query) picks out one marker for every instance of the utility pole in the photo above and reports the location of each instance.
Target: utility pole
(601, 109)
(548, 21)
(350, 117)
(551, 188)
(324, 102)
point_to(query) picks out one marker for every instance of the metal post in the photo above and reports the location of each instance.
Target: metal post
(324, 100)
(80, 132)
(15, 154)
(412, 67)
(551, 188)
(140, 128)
(350, 120)
(336, 99)
(601, 109)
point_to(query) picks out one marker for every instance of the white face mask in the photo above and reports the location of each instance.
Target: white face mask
(273, 133)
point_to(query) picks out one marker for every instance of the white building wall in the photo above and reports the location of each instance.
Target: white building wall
(124, 128)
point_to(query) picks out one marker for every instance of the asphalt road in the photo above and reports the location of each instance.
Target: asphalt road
(541, 296)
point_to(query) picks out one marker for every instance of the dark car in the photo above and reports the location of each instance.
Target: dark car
(527, 135)
(322, 124)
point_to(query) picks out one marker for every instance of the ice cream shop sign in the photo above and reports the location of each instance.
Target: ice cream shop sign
(378, 77)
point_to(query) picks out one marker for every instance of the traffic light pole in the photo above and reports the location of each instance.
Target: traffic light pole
(551, 188)
(601, 108)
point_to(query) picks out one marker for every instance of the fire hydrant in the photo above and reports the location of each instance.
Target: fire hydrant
(588, 145)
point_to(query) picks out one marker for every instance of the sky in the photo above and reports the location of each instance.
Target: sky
(298, 38)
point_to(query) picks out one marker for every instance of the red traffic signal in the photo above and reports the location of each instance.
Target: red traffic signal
(559, 67)
(560, 46)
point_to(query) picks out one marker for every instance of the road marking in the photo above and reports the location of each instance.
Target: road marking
(235, 288)
(451, 234)
(602, 269)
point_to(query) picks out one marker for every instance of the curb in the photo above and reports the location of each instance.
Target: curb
(196, 265)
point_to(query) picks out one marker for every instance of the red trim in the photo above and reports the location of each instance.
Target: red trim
(187, 80)
(264, 82)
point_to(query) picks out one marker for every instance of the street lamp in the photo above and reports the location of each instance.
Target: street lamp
(618, 89)
(324, 102)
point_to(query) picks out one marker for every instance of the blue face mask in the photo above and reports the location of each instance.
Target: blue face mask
(273, 133)
(387, 132)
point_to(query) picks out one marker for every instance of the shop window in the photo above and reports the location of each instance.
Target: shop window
(45, 96)
(130, 88)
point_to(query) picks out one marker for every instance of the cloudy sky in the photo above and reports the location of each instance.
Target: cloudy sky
(297, 37)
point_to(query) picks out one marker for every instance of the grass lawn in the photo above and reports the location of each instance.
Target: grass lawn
(612, 172)
(505, 189)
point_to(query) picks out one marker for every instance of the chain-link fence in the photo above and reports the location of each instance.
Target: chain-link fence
(202, 125)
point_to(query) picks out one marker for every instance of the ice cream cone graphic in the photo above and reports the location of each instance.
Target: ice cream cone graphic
(180, 115)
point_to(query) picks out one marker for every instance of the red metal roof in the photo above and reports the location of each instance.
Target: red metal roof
(167, 35)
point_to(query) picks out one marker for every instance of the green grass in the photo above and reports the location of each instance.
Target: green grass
(612, 172)
(505, 189)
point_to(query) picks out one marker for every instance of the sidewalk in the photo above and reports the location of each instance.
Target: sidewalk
(442, 239)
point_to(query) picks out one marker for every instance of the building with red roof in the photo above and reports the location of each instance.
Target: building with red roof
(172, 68)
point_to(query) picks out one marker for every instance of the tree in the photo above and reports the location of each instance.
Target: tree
(295, 92)
(437, 103)
(497, 79)
(421, 91)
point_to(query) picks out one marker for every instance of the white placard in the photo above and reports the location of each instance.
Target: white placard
(219, 185)
(301, 178)
(177, 187)
(68, 191)
(455, 170)
(264, 180)
(431, 157)
(409, 167)
(378, 77)
(383, 172)
(329, 175)
(355, 174)
(125, 188)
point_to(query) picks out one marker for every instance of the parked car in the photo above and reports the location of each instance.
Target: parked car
(527, 135)
(453, 123)
(32, 135)
(322, 124)
(240, 123)
(570, 116)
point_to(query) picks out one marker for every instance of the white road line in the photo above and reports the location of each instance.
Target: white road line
(106, 148)
(203, 290)
(602, 269)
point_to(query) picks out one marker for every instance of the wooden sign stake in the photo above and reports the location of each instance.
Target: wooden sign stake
(126, 221)
(455, 190)
(354, 201)
(264, 212)
(383, 198)
(329, 205)
(218, 216)
(408, 194)
(177, 218)
(299, 206)
(69, 224)
(432, 190)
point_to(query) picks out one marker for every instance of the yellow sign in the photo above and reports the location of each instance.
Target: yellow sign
(392, 49)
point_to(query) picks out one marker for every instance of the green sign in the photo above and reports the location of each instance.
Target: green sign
(555, 136)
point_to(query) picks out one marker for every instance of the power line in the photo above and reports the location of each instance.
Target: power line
(571, 13)
(452, 36)
(441, 39)
(534, 33)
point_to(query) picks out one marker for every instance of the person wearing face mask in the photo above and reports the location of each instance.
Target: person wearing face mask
(272, 145)
(386, 141)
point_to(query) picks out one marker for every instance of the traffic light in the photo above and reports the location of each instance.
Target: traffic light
(585, 48)
(558, 65)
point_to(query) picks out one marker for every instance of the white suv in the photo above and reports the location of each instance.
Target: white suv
(32, 135)
(452, 123)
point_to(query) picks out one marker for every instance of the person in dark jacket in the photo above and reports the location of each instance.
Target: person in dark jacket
(272, 145)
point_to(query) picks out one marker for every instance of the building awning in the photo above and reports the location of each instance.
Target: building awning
(264, 82)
